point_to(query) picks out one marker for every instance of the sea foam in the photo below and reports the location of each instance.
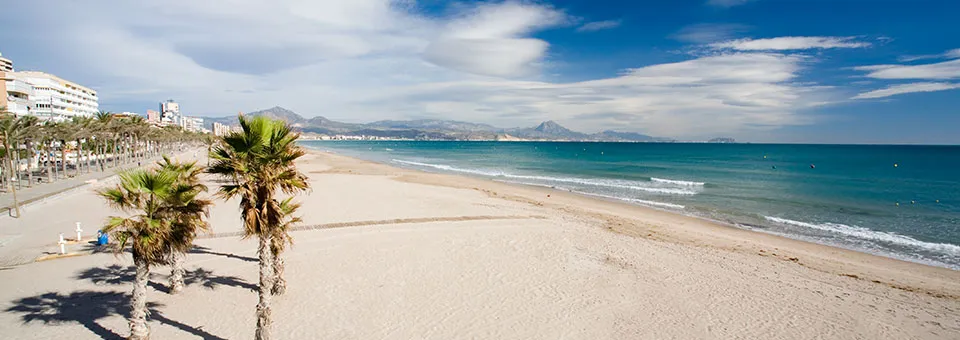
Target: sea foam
(868, 234)
(676, 182)
(610, 183)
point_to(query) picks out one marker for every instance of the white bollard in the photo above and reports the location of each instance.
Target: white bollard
(62, 243)
(78, 231)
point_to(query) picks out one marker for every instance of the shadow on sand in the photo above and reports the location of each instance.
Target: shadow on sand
(117, 274)
(86, 308)
(205, 250)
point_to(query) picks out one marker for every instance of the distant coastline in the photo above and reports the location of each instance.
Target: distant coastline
(321, 128)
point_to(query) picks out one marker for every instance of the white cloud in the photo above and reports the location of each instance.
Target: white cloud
(599, 25)
(906, 88)
(727, 3)
(952, 54)
(790, 43)
(363, 60)
(942, 70)
(489, 40)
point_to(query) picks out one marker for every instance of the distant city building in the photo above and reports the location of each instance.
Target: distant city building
(153, 117)
(192, 124)
(170, 113)
(16, 95)
(58, 99)
(6, 65)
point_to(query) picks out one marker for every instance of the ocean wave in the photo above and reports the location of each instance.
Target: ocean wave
(639, 201)
(676, 182)
(868, 234)
(631, 200)
(610, 183)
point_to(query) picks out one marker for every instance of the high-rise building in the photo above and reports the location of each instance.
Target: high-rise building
(6, 65)
(153, 117)
(59, 99)
(170, 113)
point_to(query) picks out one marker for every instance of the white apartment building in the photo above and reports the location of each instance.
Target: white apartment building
(192, 124)
(6, 65)
(15, 94)
(58, 99)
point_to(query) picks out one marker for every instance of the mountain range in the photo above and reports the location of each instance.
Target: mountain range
(435, 129)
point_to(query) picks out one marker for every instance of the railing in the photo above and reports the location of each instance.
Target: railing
(19, 87)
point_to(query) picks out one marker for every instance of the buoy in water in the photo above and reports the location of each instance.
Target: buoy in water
(813, 166)
(913, 202)
(764, 156)
(898, 204)
(938, 201)
(895, 165)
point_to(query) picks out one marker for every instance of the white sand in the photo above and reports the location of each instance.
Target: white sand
(496, 262)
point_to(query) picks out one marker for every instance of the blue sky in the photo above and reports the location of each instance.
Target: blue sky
(842, 71)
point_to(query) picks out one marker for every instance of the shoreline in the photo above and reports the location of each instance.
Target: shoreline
(642, 221)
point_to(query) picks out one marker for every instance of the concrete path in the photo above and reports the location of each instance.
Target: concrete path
(50, 209)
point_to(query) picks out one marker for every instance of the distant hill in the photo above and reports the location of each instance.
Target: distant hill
(431, 124)
(549, 130)
(435, 129)
(282, 114)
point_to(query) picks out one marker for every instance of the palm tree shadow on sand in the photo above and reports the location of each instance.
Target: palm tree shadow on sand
(117, 275)
(87, 308)
(205, 250)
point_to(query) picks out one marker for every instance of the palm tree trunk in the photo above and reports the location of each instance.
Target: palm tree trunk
(16, 162)
(264, 319)
(29, 163)
(63, 158)
(101, 157)
(139, 330)
(176, 271)
(50, 167)
(279, 284)
(79, 156)
(13, 189)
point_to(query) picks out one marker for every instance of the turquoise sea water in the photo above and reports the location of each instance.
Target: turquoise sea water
(896, 201)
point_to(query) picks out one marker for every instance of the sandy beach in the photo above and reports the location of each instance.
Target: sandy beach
(389, 253)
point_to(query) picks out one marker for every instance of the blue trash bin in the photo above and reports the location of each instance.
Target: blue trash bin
(102, 238)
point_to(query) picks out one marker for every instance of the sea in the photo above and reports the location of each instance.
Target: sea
(899, 201)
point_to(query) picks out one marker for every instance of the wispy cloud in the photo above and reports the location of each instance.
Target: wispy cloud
(952, 54)
(727, 3)
(790, 43)
(599, 25)
(942, 70)
(709, 33)
(906, 88)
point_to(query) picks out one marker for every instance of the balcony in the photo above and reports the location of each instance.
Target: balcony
(20, 87)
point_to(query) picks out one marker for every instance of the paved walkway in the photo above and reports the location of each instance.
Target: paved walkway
(52, 209)
(39, 192)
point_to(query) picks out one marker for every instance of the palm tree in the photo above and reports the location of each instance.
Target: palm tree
(142, 194)
(278, 242)
(159, 206)
(12, 129)
(257, 162)
(187, 218)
